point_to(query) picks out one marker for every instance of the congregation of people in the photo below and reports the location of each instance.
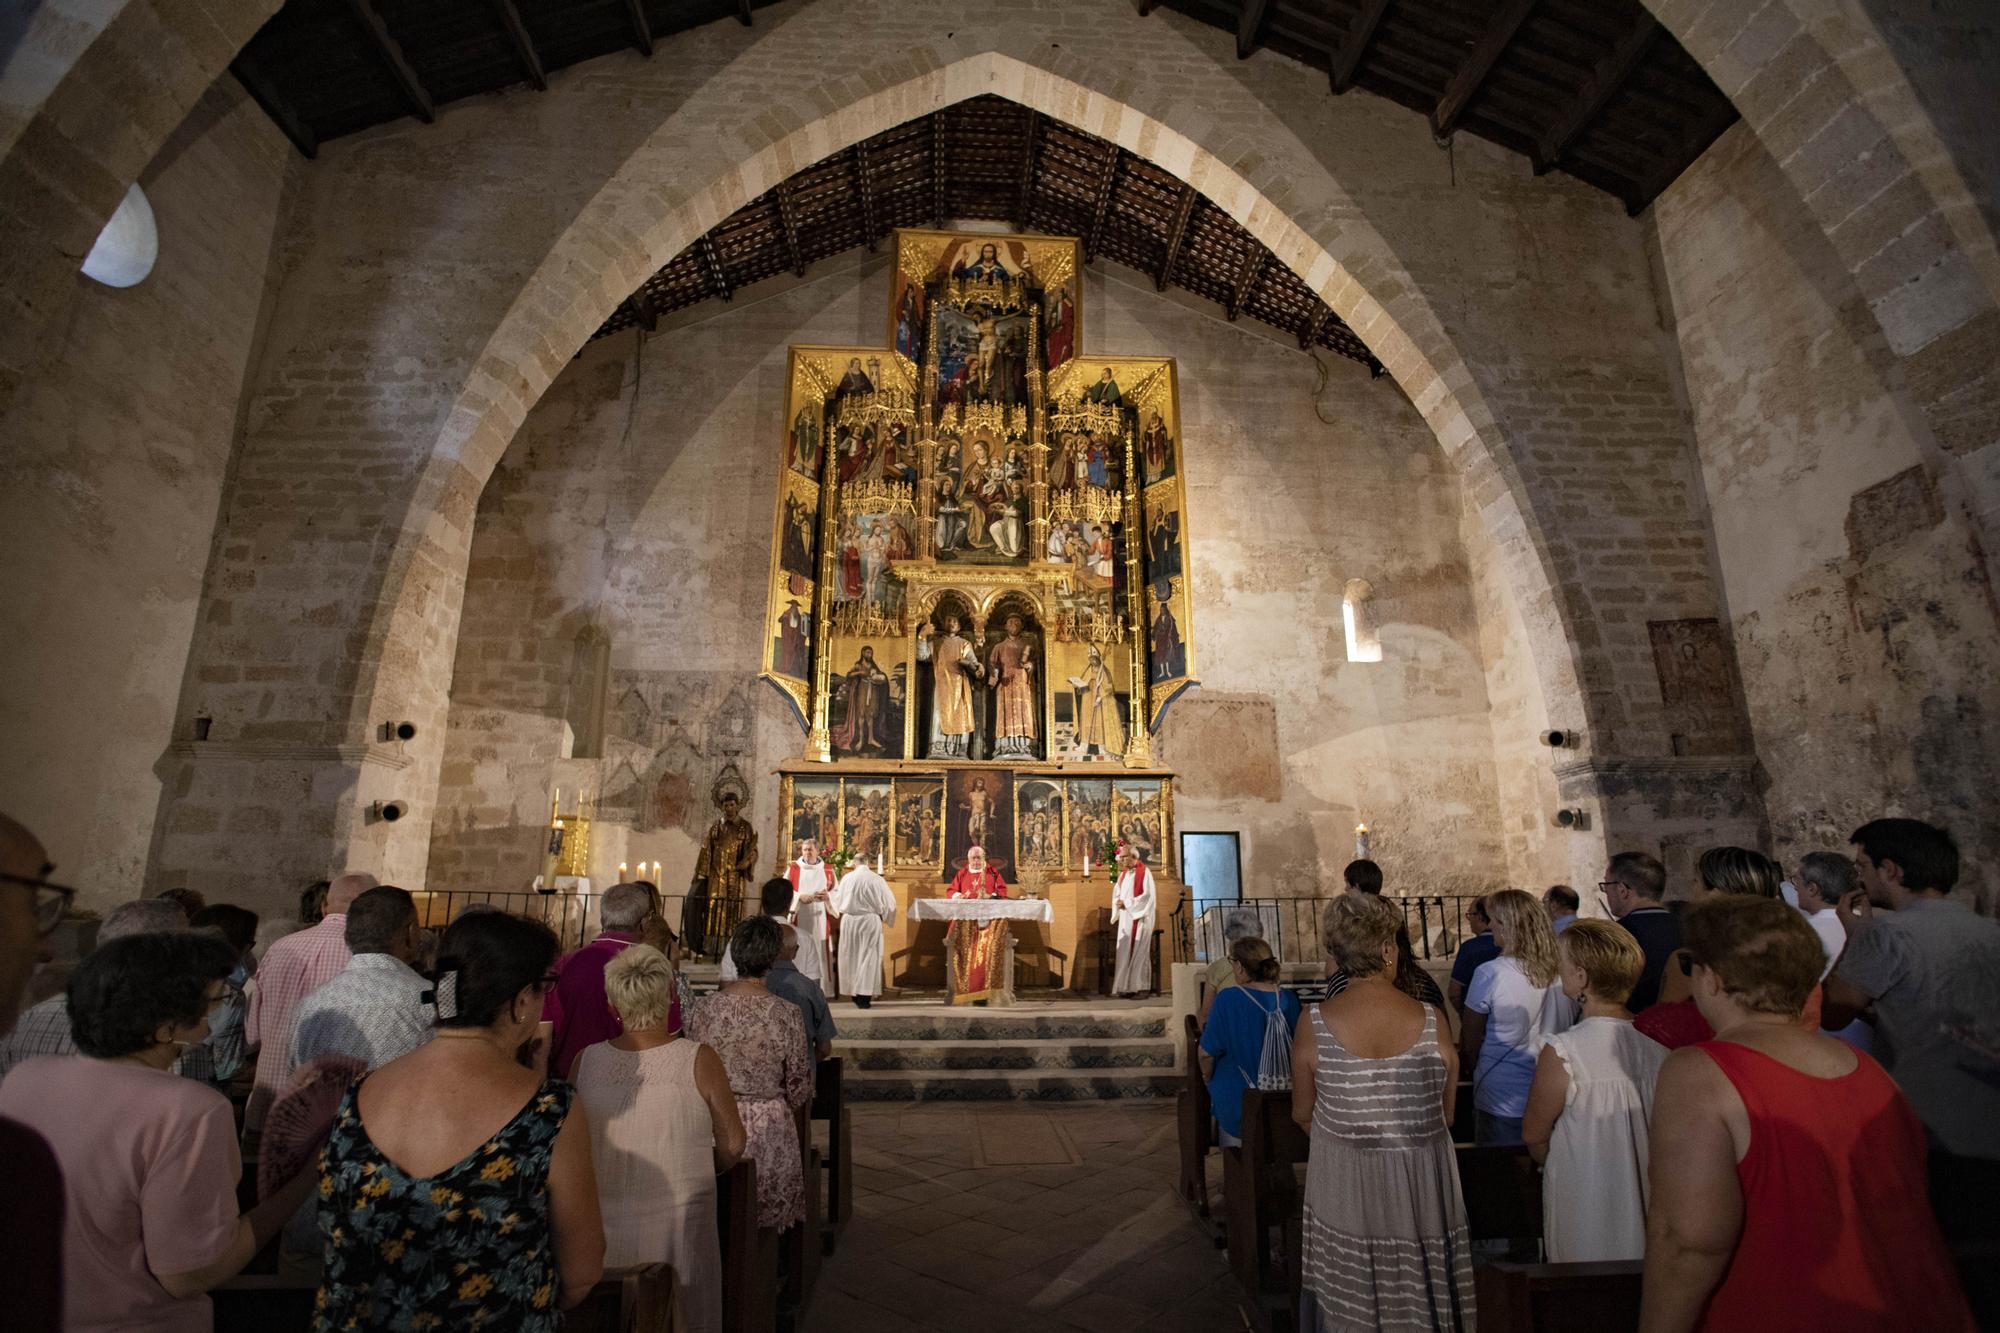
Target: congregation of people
(1776, 1099)
(465, 1129)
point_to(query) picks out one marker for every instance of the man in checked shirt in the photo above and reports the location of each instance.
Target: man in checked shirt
(293, 968)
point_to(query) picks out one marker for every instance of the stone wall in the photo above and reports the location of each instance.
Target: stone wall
(1864, 620)
(637, 499)
(116, 456)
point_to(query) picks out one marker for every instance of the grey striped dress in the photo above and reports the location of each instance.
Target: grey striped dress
(1385, 1243)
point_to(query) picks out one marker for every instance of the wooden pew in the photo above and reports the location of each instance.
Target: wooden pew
(1503, 1192)
(800, 1247)
(1192, 1116)
(1558, 1298)
(633, 1300)
(263, 1303)
(1464, 1115)
(749, 1254)
(1261, 1196)
(829, 1104)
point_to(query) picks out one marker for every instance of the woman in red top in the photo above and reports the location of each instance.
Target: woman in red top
(1787, 1170)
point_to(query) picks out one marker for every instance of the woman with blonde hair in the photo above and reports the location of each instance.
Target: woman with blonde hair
(1511, 1008)
(662, 1122)
(1674, 1021)
(1591, 1103)
(1373, 1080)
(1247, 1040)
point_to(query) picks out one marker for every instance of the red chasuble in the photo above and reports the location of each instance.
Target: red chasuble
(978, 884)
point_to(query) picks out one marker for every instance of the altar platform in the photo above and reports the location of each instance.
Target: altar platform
(919, 1048)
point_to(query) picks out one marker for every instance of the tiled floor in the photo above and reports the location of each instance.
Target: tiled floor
(1020, 1217)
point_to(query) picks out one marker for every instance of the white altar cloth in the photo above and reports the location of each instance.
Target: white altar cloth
(983, 909)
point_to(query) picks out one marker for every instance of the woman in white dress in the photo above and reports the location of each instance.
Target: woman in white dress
(662, 1123)
(1591, 1102)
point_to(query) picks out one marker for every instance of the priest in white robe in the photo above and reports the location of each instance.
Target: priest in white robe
(812, 886)
(865, 905)
(1135, 904)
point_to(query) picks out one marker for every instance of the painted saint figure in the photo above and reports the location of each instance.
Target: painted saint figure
(1011, 670)
(867, 692)
(954, 666)
(1100, 731)
(987, 268)
(722, 872)
(1157, 450)
(854, 381)
(1106, 391)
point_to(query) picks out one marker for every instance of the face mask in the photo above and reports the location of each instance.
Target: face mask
(1788, 893)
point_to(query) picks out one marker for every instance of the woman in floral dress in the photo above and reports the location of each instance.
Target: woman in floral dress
(456, 1190)
(762, 1041)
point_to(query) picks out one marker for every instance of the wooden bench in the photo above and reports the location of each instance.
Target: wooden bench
(1192, 1118)
(1503, 1192)
(749, 1254)
(1263, 1205)
(636, 1300)
(1558, 1298)
(829, 1104)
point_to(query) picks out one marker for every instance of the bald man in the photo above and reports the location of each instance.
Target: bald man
(294, 968)
(31, 1225)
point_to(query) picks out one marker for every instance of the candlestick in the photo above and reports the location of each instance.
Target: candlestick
(878, 862)
(1086, 865)
(1361, 842)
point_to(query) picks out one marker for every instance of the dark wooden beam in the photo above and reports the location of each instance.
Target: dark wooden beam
(1315, 326)
(391, 52)
(1031, 142)
(1704, 130)
(1606, 78)
(640, 307)
(283, 114)
(1346, 61)
(1107, 185)
(1147, 6)
(711, 263)
(1177, 232)
(864, 188)
(937, 168)
(642, 27)
(1250, 27)
(1478, 63)
(1247, 275)
(524, 43)
(788, 227)
(743, 12)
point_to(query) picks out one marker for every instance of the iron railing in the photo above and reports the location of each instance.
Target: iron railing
(1436, 922)
(573, 916)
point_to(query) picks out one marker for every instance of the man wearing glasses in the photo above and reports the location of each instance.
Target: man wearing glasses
(1633, 885)
(44, 1028)
(31, 1224)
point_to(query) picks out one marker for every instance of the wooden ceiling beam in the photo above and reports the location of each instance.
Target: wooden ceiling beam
(743, 12)
(1176, 234)
(1705, 130)
(864, 189)
(1346, 62)
(788, 228)
(265, 92)
(391, 52)
(1316, 326)
(523, 42)
(640, 307)
(1100, 207)
(1250, 27)
(1031, 137)
(1606, 78)
(1478, 63)
(711, 264)
(937, 168)
(1248, 273)
(642, 27)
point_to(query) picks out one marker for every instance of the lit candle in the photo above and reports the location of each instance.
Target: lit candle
(878, 861)
(656, 872)
(1361, 842)
(1086, 865)
(621, 870)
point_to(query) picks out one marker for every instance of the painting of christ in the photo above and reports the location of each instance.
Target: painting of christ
(979, 812)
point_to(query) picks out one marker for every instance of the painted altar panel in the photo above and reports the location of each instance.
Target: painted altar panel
(814, 814)
(1138, 816)
(1090, 827)
(865, 817)
(979, 811)
(919, 836)
(1038, 824)
(926, 260)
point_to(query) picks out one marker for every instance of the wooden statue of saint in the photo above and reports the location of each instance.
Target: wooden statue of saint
(954, 666)
(1011, 670)
(721, 874)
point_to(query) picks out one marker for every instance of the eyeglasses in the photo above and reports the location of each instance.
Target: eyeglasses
(230, 992)
(51, 900)
(1609, 884)
(1689, 963)
(547, 983)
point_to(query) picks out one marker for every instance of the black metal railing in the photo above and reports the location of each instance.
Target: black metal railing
(573, 916)
(1436, 922)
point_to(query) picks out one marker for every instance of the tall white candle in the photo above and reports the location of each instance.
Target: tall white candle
(1361, 842)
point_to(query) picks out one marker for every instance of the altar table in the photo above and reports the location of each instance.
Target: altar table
(980, 945)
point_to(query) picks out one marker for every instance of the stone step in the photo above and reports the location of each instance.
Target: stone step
(1019, 1024)
(1066, 1085)
(1045, 1053)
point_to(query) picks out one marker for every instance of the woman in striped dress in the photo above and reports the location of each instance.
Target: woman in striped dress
(1373, 1077)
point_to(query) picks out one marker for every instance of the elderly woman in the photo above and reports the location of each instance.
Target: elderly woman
(1788, 1185)
(1247, 1040)
(1511, 1008)
(762, 1041)
(1373, 1078)
(459, 1130)
(662, 1121)
(148, 1158)
(1241, 924)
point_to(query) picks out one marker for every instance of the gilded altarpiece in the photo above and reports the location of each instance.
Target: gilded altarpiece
(980, 561)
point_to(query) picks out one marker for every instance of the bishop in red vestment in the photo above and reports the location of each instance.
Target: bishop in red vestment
(975, 949)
